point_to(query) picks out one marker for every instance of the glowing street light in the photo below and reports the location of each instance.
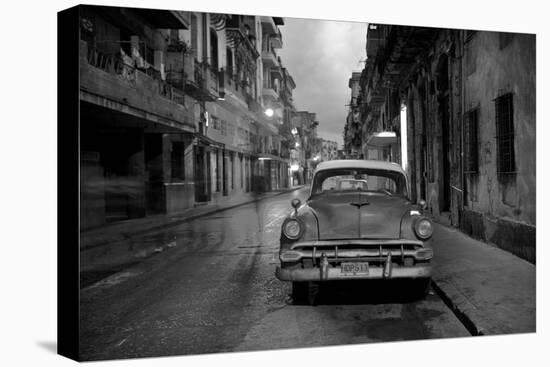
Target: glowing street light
(269, 112)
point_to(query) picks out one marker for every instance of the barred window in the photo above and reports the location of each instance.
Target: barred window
(471, 123)
(504, 109)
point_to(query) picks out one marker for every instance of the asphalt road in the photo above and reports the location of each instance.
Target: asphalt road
(215, 291)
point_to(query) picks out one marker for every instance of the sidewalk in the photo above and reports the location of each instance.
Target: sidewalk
(123, 230)
(491, 290)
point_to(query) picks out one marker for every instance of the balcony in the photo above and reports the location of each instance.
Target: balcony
(269, 58)
(112, 80)
(276, 39)
(394, 51)
(268, 25)
(237, 35)
(270, 94)
(202, 82)
(212, 81)
(276, 71)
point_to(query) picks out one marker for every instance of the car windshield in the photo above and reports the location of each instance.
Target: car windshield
(342, 180)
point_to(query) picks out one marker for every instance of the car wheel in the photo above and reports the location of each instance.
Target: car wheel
(312, 293)
(421, 287)
(300, 293)
(305, 293)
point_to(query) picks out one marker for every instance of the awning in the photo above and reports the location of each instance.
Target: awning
(382, 139)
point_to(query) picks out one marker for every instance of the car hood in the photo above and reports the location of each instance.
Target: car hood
(377, 216)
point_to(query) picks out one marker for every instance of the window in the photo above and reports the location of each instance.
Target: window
(229, 62)
(471, 164)
(504, 112)
(216, 125)
(371, 181)
(177, 160)
(213, 49)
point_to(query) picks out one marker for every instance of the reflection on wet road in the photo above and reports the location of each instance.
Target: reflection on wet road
(214, 290)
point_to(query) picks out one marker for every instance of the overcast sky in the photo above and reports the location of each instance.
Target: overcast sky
(321, 55)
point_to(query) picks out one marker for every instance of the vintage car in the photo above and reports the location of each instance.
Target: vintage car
(358, 223)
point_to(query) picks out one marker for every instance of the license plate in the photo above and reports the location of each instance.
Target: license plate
(354, 268)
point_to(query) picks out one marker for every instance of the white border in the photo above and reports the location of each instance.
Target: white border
(28, 151)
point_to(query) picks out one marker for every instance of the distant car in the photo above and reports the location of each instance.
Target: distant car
(358, 223)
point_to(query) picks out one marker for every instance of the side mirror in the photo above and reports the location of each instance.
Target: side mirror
(422, 203)
(295, 203)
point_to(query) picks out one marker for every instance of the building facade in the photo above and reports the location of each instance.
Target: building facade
(353, 127)
(464, 101)
(173, 111)
(329, 150)
(307, 144)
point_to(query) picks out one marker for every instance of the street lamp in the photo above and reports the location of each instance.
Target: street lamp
(269, 112)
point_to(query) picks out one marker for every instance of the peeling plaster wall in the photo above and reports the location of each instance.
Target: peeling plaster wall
(510, 69)
(496, 208)
(502, 209)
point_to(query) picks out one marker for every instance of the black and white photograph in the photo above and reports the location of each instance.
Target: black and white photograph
(235, 181)
(242, 188)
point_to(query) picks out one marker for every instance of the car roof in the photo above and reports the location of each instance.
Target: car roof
(360, 163)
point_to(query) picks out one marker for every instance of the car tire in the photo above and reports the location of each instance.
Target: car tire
(304, 293)
(421, 287)
(312, 293)
(300, 293)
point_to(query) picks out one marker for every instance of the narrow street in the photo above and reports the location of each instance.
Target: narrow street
(215, 291)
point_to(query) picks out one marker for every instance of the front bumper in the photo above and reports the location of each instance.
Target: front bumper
(334, 273)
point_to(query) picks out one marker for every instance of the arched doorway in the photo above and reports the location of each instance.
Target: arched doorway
(443, 114)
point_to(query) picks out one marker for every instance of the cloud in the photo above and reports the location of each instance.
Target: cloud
(321, 55)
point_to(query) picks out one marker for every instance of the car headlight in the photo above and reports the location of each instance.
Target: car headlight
(292, 228)
(423, 228)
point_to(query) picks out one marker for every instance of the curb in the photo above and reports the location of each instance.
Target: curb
(129, 235)
(459, 305)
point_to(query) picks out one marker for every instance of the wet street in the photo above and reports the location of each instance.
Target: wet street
(214, 290)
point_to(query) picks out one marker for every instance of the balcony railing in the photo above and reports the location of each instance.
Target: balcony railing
(212, 80)
(124, 67)
(113, 64)
(203, 83)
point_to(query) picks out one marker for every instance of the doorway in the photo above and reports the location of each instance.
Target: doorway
(202, 174)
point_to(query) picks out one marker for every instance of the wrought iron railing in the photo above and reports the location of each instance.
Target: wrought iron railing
(123, 66)
(113, 63)
(212, 80)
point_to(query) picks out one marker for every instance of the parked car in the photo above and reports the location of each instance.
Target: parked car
(358, 223)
